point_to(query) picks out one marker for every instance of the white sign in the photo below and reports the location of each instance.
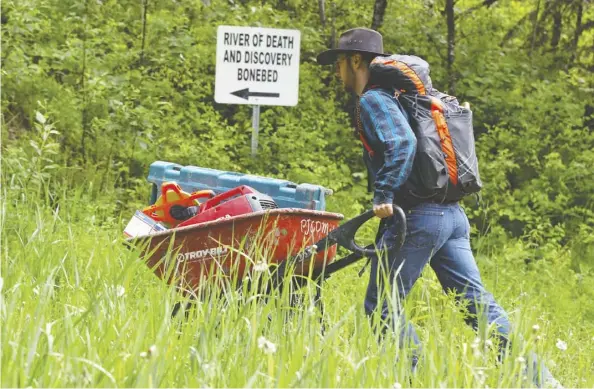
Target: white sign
(257, 66)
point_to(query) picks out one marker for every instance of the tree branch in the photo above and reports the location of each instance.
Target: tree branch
(588, 25)
(515, 28)
(485, 3)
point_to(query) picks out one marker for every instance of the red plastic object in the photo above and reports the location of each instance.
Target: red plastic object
(225, 196)
(235, 202)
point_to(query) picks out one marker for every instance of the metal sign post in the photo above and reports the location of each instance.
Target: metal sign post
(255, 129)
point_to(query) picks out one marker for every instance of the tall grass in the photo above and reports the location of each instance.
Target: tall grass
(80, 309)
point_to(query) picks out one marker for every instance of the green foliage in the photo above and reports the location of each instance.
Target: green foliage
(81, 309)
(123, 92)
(92, 93)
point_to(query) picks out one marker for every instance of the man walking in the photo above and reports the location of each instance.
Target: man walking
(437, 233)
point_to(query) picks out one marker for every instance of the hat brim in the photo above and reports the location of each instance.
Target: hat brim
(328, 57)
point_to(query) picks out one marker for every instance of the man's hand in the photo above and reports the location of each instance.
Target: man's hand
(383, 210)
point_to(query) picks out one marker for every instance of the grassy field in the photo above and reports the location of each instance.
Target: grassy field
(80, 310)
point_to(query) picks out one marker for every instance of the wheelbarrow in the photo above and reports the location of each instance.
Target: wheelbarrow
(302, 241)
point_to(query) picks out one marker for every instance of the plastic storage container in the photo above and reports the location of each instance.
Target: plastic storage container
(285, 193)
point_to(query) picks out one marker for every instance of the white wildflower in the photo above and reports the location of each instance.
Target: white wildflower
(265, 345)
(151, 352)
(489, 343)
(260, 266)
(521, 360)
(396, 385)
(535, 328)
(561, 345)
(475, 347)
(120, 291)
(481, 376)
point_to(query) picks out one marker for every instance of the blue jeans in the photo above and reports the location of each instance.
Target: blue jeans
(438, 234)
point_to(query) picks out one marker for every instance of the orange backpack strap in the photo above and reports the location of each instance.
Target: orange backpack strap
(365, 144)
(445, 138)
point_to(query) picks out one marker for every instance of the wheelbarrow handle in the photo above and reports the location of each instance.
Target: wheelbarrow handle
(345, 234)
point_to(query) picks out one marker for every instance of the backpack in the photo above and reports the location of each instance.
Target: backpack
(445, 168)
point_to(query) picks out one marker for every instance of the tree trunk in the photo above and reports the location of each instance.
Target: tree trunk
(333, 34)
(451, 45)
(534, 28)
(379, 9)
(577, 33)
(322, 8)
(84, 114)
(144, 12)
(557, 26)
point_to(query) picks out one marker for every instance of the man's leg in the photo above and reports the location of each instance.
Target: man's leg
(400, 270)
(456, 269)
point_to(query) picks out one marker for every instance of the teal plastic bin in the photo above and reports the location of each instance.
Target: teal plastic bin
(285, 193)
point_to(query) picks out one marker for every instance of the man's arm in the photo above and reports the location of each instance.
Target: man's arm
(390, 134)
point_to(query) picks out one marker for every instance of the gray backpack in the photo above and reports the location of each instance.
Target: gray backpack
(445, 168)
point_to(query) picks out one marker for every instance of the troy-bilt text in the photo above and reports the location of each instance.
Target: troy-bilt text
(199, 254)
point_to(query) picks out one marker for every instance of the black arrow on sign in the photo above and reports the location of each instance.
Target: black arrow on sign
(246, 94)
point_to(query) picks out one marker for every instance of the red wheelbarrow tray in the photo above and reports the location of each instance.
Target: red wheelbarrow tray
(188, 255)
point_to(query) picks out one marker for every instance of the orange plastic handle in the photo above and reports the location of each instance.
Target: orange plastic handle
(165, 206)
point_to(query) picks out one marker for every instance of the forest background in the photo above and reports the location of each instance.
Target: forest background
(94, 91)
